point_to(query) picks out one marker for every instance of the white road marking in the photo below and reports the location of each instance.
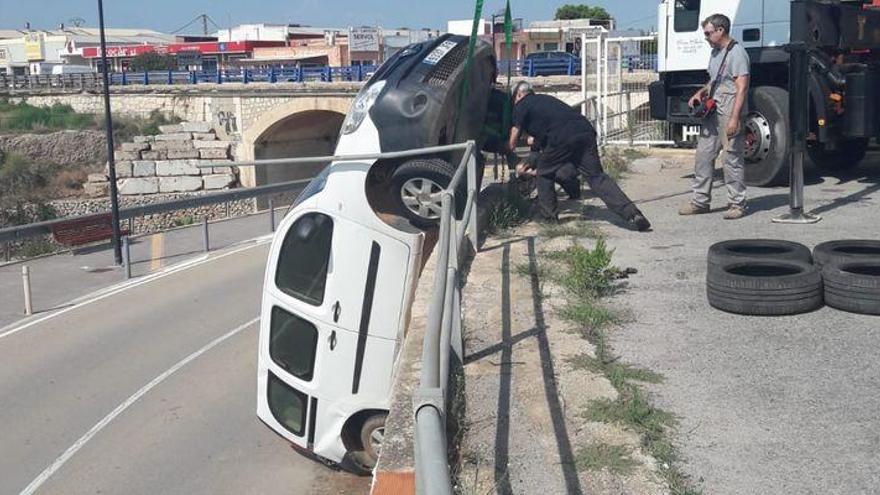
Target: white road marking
(60, 461)
(116, 289)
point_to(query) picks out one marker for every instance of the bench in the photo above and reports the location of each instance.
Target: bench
(84, 230)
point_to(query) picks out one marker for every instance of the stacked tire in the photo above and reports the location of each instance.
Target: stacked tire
(851, 273)
(772, 277)
(762, 277)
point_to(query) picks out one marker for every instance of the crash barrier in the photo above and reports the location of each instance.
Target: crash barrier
(22, 232)
(769, 277)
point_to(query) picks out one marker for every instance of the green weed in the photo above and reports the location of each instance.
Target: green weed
(598, 456)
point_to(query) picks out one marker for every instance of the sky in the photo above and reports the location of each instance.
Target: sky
(170, 15)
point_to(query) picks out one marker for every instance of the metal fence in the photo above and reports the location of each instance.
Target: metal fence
(617, 99)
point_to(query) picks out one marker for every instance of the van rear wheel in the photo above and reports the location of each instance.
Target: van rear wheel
(372, 435)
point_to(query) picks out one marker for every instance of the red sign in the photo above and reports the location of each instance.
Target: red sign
(210, 47)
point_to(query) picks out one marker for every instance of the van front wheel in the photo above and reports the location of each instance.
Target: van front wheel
(372, 435)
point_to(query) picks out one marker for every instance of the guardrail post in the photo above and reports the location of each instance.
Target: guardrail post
(124, 78)
(531, 67)
(472, 231)
(271, 215)
(219, 79)
(26, 282)
(570, 67)
(170, 77)
(126, 257)
(205, 234)
(360, 72)
(246, 76)
(192, 77)
(272, 77)
(7, 251)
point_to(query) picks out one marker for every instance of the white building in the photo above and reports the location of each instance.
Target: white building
(464, 27)
(37, 51)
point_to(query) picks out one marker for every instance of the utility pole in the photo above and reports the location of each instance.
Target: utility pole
(108, 121)
(204, 24)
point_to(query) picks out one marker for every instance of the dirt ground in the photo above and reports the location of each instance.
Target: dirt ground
(763, 405)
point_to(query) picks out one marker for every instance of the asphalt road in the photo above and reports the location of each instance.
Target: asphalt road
(775, 405)
(150, 390)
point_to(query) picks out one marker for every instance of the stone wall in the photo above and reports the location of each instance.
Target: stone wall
(170, 162)
(63, 148)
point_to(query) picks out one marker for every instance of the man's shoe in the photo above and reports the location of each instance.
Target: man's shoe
(734, 212)
(693, 209)
(640, 222)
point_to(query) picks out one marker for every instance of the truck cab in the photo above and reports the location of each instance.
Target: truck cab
(843, 38)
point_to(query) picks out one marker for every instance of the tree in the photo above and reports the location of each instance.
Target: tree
(582, 11)
(151, 61)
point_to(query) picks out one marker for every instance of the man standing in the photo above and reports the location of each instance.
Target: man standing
(564, 136)
(729, 87)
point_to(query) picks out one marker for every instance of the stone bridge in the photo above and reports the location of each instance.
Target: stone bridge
(262, 120)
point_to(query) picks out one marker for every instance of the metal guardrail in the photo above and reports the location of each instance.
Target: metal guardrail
(443, 335)
(21, 232)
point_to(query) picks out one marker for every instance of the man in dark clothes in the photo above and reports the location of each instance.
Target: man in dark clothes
(565, 175)
(566, 136)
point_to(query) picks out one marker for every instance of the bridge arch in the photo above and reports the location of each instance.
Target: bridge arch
(305, 126)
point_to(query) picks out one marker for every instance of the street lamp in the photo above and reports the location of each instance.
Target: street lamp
(108, 123)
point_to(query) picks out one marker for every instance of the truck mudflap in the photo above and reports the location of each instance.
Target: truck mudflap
(861, 119)
(657, 97)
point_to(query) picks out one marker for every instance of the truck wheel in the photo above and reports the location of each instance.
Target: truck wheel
(847, 155)
(416, 188)
(767, 137)
(372, 435)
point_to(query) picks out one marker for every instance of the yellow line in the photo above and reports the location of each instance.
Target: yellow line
(157, 251)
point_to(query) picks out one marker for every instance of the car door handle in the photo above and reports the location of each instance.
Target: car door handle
(336, 310)
(332, 340)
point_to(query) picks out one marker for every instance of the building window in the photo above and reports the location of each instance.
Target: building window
(551, 47)
(687, 15)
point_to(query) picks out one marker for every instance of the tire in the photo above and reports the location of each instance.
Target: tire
(846, 251)
(415, 188)
(371, 436)
(757, 249)
(767, 137)
(764, 287)
(847, 156)
(853, 286)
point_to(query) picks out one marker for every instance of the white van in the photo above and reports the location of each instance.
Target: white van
(338, 286)
(345, 261)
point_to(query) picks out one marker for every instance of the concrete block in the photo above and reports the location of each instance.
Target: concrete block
(181, 183)
(173, 145)
(204, 136)
(170, 129)
(96, 189)
(134, 186)
(143, 168)
(123, 169)
(177, 136)
(181, 154)
(99, 177)
(222, 170)
(213, 154)
(200, 145)
(155, 155)
(144, 139)
(218, 181)
(177, 167)
(126, 155)
(202, 127)
(134, 147)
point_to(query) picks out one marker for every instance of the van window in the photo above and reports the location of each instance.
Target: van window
(288, 406)
(292, 343)
(305, 257)
(687, 15)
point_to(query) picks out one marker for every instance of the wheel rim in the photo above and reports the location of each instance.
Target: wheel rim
(377, 436)
(422, 197)
(759, 138)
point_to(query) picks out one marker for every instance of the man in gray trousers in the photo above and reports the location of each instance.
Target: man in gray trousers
(729, 86)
